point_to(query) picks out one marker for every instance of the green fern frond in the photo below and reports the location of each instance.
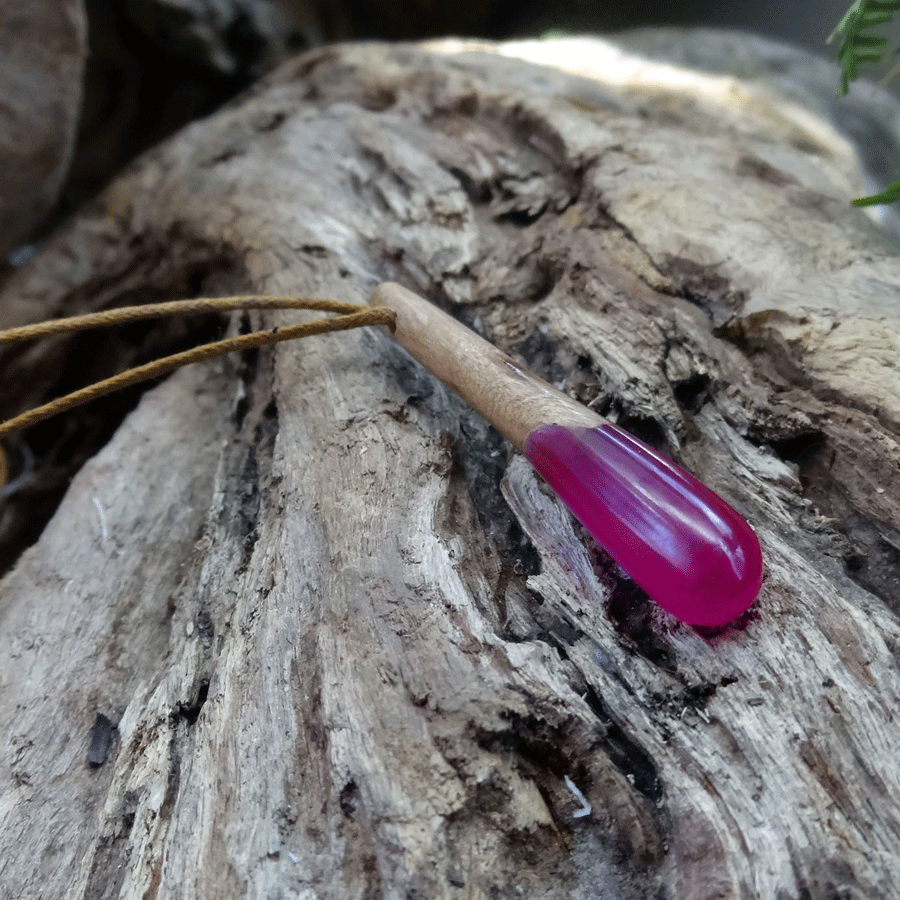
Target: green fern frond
(857, 46)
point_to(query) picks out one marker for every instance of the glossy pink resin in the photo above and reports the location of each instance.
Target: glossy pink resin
(683, 544)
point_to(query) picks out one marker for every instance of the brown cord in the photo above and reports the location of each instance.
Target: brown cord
(355, 317)
(176, 307)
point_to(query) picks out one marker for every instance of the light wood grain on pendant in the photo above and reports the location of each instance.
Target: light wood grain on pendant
(511, 398)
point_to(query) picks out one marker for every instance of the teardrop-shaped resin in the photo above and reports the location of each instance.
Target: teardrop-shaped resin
(682, 543)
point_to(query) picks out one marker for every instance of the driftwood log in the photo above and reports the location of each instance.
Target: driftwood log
(306, 628)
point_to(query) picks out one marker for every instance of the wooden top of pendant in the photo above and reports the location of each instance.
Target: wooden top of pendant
(511, 398)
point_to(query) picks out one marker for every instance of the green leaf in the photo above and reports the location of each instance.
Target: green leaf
(891, 194)
(857, 46)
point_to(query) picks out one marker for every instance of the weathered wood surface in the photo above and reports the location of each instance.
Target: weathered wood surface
(298, 583)
(869, 118)
(42, 50)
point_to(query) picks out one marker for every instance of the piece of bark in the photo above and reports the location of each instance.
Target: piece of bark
(355, 650)
(42, 51)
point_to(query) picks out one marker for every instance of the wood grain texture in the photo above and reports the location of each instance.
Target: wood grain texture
(351, 645)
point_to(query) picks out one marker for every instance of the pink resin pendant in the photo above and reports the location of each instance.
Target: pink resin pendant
(682, 543)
